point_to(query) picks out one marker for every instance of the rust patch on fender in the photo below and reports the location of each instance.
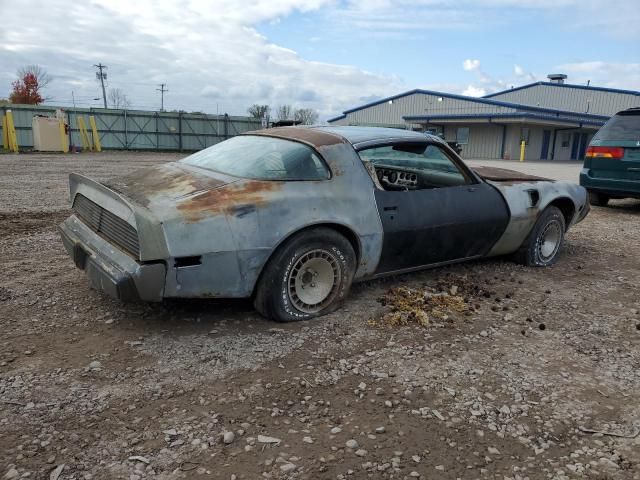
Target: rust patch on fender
(506, 175)
(237, 199)
(162, 180)
(312, 136)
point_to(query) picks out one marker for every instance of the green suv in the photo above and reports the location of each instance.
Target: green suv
(612, 161)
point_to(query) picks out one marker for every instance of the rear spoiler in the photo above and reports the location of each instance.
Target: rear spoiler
(151, 236)
(102, 195)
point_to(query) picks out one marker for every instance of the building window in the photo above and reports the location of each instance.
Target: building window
(564, 140)
(524, 135)
(462, 135)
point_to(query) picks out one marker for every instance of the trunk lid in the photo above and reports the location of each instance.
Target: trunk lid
(625, 168)
(495, 174)
(167, 185)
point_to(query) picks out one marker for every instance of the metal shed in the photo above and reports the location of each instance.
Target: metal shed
(555, 120)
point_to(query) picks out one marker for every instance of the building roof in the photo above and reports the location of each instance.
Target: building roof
(565, 85)
(485, 101)
(578, 119)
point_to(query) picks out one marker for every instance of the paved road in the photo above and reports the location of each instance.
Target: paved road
(556, 170)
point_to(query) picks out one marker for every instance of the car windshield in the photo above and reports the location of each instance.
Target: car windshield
(261, 158)
(623, 126)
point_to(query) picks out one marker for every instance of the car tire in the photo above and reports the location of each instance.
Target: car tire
(541, 247)
(598, 199)
(309, 276)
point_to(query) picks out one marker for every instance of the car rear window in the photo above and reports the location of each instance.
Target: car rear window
(623, 126)
(261, 158)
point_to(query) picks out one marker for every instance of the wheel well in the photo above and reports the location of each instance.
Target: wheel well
(567, 208)
(345, 231)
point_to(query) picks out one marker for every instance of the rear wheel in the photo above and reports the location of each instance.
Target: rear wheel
(541, 247)
(598, 199)
(307, 277)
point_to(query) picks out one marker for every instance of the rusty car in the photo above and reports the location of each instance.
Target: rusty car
(291, 216)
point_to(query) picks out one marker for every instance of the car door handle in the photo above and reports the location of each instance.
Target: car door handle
(471, 189)
(633, 169)
(390, 209)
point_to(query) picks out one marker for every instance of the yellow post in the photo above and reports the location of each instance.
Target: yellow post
(84, 136)
(11, 132)
(522, 145)
(94, 132)
(64, 140)
(5, 133)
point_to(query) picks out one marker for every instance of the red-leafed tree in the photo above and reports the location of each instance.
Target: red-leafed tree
(27, 89)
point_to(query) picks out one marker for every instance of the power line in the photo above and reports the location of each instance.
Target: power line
(102, 76)
(162, 90)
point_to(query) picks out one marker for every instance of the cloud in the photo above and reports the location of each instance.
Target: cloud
(471, 65)
(523, 75)
(212, 57)
(597, 73)
(472, 91)
(209, 53)
(603, 74)
(488, 83)
(411, 18)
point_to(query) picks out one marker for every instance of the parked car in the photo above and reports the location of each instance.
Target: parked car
(292, 216)
(456, 147)
(612, 160)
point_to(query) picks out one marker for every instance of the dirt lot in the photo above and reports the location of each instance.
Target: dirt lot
(507, 381)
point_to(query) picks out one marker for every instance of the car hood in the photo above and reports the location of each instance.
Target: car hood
(178, 191)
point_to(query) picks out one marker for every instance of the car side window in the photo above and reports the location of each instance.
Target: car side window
(414, 166)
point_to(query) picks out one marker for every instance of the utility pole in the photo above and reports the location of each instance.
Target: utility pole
(162, 90)
(102, 76)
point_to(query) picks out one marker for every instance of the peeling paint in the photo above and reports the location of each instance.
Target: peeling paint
(167, 180)
(230, 198)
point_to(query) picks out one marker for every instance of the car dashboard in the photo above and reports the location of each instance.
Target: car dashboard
(396, 178)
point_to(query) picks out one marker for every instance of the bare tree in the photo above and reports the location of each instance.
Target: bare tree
(259, 111)
(40, 73)
(118, 99)
(37, 78)
(284, 112)
(305, 116)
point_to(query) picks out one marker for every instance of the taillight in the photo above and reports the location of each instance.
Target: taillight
(604, 152)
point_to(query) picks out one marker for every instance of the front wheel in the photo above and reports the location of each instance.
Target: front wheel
(541, 247)
(307, 277)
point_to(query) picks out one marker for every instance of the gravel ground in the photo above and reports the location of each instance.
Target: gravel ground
(512, 384)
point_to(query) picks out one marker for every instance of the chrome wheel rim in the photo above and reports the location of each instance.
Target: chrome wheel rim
(313, 281)
(549, 240)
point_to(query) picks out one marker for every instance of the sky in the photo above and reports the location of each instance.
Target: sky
(221, 56)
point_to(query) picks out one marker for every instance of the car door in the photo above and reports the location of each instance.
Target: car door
(446, 216)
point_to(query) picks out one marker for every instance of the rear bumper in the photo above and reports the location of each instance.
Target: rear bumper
(108, 268)
(611, 186)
